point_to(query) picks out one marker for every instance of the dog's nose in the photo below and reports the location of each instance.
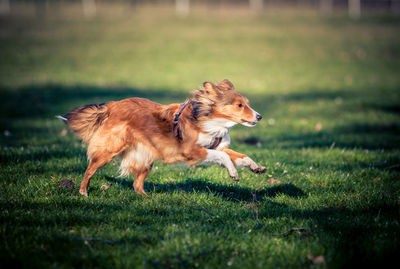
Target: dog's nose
(259, 117)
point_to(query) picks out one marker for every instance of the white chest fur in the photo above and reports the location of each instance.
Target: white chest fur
(212, 129)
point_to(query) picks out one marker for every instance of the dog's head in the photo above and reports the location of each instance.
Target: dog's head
(223, 101)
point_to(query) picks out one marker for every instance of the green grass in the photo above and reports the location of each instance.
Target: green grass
(328, 89)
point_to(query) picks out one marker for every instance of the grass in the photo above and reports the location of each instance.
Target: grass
(328, 88)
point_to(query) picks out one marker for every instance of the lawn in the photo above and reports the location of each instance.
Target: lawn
(327, 87)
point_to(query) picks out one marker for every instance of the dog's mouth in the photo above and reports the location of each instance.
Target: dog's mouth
(249, 123)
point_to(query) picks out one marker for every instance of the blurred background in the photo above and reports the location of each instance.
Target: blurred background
(308, 65)
(262, 46)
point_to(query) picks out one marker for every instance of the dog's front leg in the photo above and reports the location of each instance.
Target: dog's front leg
(240, 159)
(222, 158)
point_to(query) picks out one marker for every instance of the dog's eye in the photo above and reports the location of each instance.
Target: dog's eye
(240, 105)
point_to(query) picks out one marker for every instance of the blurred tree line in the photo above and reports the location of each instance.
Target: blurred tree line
(183, 7)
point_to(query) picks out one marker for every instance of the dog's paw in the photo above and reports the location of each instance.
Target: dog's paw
(259, 170)
(84, 193)
(141, 192)
(235, 178)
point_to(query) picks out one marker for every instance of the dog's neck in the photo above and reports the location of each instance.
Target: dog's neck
(212, 127)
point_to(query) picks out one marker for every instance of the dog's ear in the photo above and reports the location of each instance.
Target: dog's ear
(211, 88)
(225, 85)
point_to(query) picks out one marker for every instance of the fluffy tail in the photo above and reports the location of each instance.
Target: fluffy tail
(85, 120)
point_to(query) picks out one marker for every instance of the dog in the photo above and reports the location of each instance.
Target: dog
(141, 131)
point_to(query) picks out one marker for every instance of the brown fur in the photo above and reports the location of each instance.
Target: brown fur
(85, 120)
(141, 131)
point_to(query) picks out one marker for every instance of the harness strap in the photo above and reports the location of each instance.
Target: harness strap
(177, 131)
(217, 141)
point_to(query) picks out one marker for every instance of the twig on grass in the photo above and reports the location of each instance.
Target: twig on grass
(199, 207)
(392, 167)
(209, 190)
(332, 146)
(293, 229)
(87, 239)
(254, 210)
(179, 260)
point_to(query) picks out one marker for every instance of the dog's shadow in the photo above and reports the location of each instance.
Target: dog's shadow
(227, 192)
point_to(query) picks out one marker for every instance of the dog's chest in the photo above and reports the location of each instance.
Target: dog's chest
(212, 129)
(206, 140)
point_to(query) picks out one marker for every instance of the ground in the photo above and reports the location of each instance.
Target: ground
(328, 90)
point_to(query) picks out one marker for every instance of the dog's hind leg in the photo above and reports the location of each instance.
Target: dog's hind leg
(138, 160)
(95, 163)
(240, 159)
(139, 180)
(103, 147)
